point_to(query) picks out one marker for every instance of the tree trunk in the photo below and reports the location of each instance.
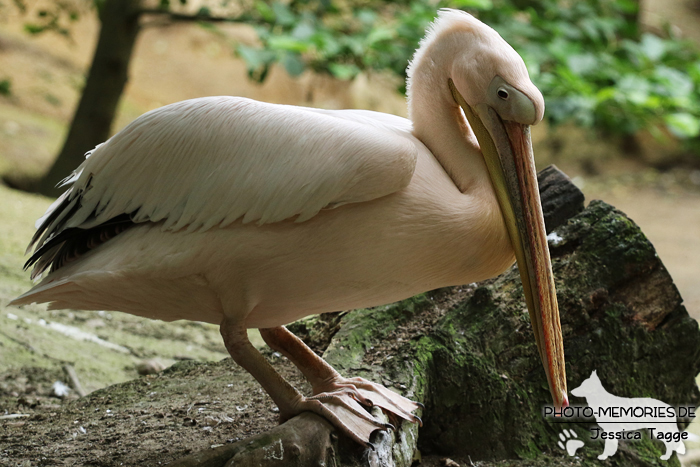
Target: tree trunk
(105, 83)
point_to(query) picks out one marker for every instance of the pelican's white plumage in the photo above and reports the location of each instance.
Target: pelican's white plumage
(236, 164)
(249, 214)
(211, 161)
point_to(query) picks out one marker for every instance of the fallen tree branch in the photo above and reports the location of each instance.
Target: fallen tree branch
(75, 382)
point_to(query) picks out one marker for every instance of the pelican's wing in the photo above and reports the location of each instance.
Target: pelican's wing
(209, 162)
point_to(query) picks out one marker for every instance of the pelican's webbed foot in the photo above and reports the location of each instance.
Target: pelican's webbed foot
(342, 410)
(339, 400)
(372, 394)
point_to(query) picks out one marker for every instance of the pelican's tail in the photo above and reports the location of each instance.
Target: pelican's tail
(44, 292)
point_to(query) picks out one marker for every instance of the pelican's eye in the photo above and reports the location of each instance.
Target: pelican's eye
(510, 103)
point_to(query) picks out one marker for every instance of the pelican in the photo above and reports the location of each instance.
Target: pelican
(252, 215)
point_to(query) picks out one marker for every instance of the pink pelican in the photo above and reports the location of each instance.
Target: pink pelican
(253, 215)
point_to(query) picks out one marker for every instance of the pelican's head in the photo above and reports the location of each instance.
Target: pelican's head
(489, 81)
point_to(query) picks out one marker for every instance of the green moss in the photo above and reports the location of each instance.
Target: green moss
(361, 328)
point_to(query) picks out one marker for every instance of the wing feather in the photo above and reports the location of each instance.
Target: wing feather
(209, 162)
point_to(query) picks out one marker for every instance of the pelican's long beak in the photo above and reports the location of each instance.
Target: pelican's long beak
(507, 150)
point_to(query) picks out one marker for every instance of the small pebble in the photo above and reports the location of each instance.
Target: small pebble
(95, 323)
(149, 367)
(11, 128)
(189, 422)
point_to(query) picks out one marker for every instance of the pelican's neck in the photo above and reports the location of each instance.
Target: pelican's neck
(438, 120)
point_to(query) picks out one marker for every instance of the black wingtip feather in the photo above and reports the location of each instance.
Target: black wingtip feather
(62, 203)
(72, 243)
(60, 246)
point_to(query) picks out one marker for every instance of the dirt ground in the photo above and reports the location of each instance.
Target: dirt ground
(192, 417)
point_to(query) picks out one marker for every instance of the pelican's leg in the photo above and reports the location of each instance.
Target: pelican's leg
(343, 412)
(326, 381)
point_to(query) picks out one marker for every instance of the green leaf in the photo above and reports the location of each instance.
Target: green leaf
(367, 17)
(652, 47)
(304, 31)
(293, 64)
(288, 43)
(583, 64)
(283, 15)
(5, 87)
(34, 28)
(683, 125)
(472, 4)
(634, 89)
(676, 83)
(326, 44)
(255, 58)
(343, 71)
(265, 11)
(355, 44)
(380, 34)
(630, 7)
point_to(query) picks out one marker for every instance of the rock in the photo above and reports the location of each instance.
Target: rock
(305, 440)
(149, 367)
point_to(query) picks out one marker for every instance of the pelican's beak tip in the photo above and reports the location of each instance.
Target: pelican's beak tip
(564, 400)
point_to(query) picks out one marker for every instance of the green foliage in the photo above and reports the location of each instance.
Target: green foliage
(590, 59)
(5, 87)
(595, 66)
(339, 39)
(53, 16)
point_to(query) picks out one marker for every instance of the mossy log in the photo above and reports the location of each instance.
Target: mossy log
(468, 353)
